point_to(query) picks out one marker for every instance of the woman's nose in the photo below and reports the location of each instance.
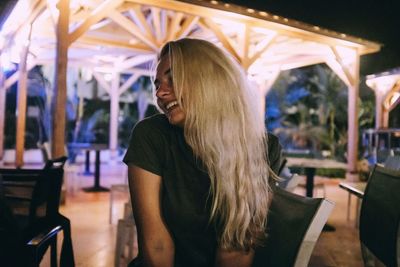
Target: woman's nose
(163, 91)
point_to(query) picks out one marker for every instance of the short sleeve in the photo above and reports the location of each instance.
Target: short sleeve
(146, 148)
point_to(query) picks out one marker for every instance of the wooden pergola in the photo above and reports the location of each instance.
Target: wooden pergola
(386, 86)
(119, 36)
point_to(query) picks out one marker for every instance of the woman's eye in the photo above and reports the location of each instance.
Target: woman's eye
(156, 85)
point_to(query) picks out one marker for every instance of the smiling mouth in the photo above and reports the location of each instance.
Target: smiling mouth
(171, 105)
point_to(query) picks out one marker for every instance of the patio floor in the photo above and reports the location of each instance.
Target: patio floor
(94, 238)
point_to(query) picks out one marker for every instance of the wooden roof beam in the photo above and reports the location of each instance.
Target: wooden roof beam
(338, 69)
(14, 77)
(243, 41)
(38, 8)
(136, 14)
(173, 26)
(95, 16)
(128, 83)
(110, 69)
(295, 29)
(221, 37)
(139, 47)
(135, 61)
(133, 29)
(297, 62)
(261, 51)
(156, 14)
(100, 79)
(349, 75)
(187, 26)
(396, 88)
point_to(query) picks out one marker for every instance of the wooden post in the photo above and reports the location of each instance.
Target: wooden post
(2, 111)
(60, 81)
(379, 109)
(352, 145)
(114, 110)
(21, 103)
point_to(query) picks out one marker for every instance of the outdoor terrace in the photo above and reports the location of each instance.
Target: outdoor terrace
(94, 238)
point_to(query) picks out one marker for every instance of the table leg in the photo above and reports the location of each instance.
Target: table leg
(97, 187)
(348, 206)
(310, 172)
(87, 171)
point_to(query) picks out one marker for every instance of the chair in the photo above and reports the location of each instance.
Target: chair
(293, 182)
(122, 188)
(380, 217)
(126, 231)
(294, 225)
(32, 197)
(357, 189)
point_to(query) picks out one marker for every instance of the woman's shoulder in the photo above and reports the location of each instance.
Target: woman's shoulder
(157, 123)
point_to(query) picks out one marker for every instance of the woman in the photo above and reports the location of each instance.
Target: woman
(198, 174)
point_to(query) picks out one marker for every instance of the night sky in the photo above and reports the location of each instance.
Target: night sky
(374, 20)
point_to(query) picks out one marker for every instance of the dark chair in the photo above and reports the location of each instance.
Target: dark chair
(380, 217)
(32, 198)
(294, 225)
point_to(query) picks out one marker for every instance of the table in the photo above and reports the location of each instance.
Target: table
(357, 189)
(97, 148)
(310, 165)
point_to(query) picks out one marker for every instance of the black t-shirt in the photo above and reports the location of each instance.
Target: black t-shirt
(159, 147)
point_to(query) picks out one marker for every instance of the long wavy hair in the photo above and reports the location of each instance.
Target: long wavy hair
(226, 131)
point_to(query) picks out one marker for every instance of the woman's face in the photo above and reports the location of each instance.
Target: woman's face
(166, 99)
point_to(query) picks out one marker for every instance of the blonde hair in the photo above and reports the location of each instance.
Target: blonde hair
(226, 132)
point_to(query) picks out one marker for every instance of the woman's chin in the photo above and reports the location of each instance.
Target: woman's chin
(176, 119)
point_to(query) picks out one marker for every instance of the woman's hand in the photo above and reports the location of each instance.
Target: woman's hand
(234, 258)
(156, 246)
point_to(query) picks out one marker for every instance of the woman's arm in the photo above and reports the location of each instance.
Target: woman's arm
(155, 242)
(236, 258)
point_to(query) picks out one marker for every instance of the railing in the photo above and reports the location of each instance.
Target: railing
(380, 143)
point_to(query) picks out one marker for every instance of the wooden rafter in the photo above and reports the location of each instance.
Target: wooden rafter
(222, 37)
(135, 12)
(38, 8)
(133, 29)
(157, 23)
(292, 31)
(128, 83)
(135, 61)
(100, 79)
(187, 26)
(349, 75)
(139, 47)
(298, 62)
(393, 90)
(261, 51)
(337, 68)
(95, 16)
(173, 26)
(14, 77)
(244, 43)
